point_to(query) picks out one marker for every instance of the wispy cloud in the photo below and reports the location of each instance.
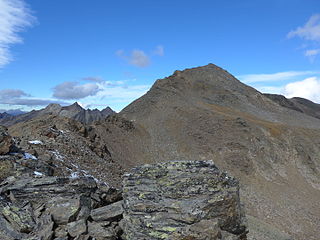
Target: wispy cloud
(280, 76)
(116, 94)
(12, 93)
(75, 90)
(137, 57)
(15, 16)
(159, 50)
(312, 53)
(19, 97)
(93, 79)
(310, 31)
(140, 58)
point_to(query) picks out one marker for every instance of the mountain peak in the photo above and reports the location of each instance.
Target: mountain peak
(53, 107)
(74, 107)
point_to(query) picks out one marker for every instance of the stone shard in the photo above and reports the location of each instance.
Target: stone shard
(108, 213)
(77, 228)
(181, 200)
(100, 232)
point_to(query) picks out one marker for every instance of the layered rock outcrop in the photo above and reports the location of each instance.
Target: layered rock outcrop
(174, 200)
(182, 200)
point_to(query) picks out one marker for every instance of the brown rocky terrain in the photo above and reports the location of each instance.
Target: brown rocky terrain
(35, 204)
(204, 114)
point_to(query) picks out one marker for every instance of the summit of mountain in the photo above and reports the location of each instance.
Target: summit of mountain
(205, 113)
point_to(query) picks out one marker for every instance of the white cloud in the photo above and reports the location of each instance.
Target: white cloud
(312, 52)
(137, 57)
(15, 97)
(93, 79)
(310, 31)
(159, 50)
(11, 93)
(74, 90)
(15, 16)
(308, 88)
(116, 94)
(280, 76)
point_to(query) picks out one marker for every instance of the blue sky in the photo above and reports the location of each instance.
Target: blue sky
(108, 53)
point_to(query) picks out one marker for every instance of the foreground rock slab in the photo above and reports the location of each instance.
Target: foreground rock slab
(181, 200)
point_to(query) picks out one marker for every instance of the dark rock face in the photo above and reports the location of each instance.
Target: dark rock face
(298, 104)
(53, 208)
(6, 141)
(182, 200)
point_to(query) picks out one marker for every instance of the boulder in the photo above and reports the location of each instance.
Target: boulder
(77, 228)
(108, 213)
(63, 210)
(101, 231)
(181, 200)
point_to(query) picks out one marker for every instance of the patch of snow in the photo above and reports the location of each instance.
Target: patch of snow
(37, 173)
(74, 175)
(57, 155)
(85, 173)
(29, 156)
(77, 167)
(36, 142)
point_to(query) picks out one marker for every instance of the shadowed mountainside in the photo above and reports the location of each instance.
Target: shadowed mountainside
(299, 104)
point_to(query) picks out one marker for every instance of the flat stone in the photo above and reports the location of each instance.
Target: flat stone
(108, 213)
(77, 228)
(100, 232)
(63, 210)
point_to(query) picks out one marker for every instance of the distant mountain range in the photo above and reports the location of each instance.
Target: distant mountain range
(74, 111)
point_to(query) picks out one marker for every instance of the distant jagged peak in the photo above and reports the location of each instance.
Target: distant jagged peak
(53, 107)
(107, 111)
(73, 107)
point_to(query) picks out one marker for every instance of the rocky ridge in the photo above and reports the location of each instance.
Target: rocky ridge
(37, 205)
(298, 104)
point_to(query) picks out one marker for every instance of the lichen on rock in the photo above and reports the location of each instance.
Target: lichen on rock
(182, 200)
